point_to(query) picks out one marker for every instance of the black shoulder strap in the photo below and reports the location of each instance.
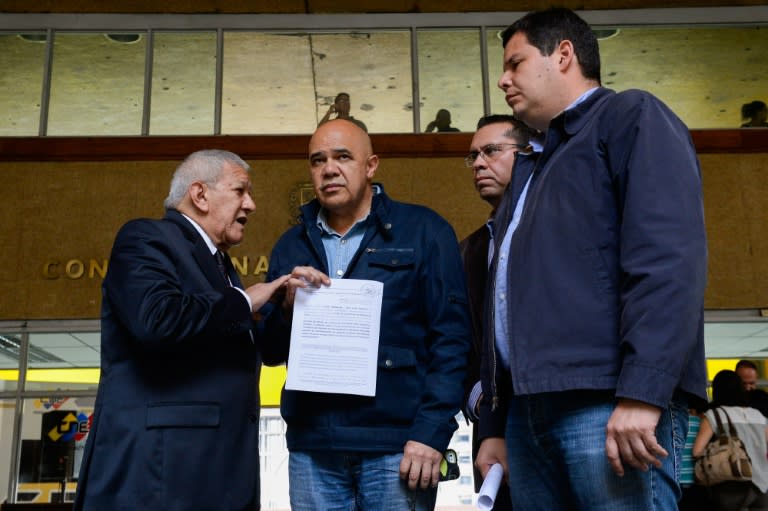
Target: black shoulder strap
(720, 429)
(731, 429)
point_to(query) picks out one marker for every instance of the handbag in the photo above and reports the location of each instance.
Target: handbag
(725, 457)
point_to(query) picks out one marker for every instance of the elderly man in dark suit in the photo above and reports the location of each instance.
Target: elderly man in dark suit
(492, 153)
(175, 425)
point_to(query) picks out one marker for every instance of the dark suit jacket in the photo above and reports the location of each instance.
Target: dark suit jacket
(175, 425)
(474, 254)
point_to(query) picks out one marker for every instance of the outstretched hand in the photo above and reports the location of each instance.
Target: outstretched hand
(263, 292)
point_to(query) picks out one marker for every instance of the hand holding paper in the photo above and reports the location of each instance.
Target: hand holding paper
(490, 487)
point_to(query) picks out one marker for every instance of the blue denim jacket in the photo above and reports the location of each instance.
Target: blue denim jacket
(607, 267)
(424, 338)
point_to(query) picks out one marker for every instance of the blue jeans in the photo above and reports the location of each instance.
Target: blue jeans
(557, 461)
(339, 481)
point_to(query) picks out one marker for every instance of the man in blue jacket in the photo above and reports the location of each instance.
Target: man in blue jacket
(381, 452)
(596, 322)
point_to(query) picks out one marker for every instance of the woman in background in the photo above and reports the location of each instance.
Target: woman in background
(729, 397)
(695, 497)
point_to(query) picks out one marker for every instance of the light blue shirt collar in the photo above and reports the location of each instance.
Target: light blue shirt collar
(582, 98)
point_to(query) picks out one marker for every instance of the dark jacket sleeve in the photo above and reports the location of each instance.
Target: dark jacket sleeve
(276, 327)
(145, 291)
(449, 339)
(474, 254)
(663, 256)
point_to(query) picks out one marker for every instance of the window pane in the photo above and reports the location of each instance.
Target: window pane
(735, 340)
(705, 74)
(495, 63)
(7, 407)
(53, 435)
(66, 360)
(22, 58)
(458, 87)
(10, 347)
(183, 83)
(268, 84)
(97, 84)
(374, 69)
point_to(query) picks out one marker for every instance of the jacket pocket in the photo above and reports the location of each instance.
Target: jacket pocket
(399, 387)
(183, 415)
(396, 268)
(393, 357)
(391, 258)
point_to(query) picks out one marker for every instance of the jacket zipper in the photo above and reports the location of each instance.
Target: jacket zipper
(492, 337)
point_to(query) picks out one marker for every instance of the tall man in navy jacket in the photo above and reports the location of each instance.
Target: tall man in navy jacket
(597, 319)
(176, 421)
(381, 452)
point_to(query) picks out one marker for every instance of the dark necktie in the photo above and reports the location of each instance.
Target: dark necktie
(219, 256)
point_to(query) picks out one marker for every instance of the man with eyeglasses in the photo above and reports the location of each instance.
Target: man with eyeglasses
(593, 337)
(492, 153)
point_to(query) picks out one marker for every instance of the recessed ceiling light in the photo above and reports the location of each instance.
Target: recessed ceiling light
(34, 38)
(124, 38)
(605, 33)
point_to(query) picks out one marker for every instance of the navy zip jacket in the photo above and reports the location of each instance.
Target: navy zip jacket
(424, 336)
(607, 267)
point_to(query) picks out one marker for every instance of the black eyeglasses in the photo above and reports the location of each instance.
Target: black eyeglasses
(490, 152)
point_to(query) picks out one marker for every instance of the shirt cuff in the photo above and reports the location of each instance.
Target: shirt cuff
(474, 397)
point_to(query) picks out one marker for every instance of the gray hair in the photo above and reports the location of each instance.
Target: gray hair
(206, 166)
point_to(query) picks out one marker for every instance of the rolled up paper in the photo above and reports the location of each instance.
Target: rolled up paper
(490, 487)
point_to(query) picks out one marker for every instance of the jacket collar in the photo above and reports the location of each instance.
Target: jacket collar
(201, 252)
(573, 120)
(187, 228)
(381, 206)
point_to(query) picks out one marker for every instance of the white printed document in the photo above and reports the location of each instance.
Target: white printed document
(335, 338)
(490, 487)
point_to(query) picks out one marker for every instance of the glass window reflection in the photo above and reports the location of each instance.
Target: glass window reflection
(705, 74)
(495, 63)
(97, 84)
(267, 84)
(10, 349)
(374, 68)
(183, 83)
(22, 57)
(451, 94)
(285, 83)
(63, 360)
(7, 408)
